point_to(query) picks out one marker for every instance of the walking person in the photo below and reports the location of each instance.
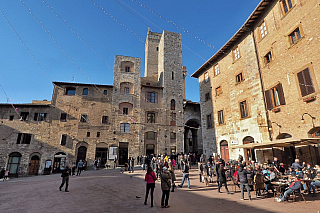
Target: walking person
(73, 168)
(185, 175)
(173, 176)
(242, 174)
(150, 178)
(65, 178)
(222, 178)
(115, 162)
(80, 166)
(165, 177)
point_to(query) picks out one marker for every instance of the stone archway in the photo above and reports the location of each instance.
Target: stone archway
(249, 153)
(191, 136)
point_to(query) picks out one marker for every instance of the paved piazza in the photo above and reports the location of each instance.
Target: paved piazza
(113, 191)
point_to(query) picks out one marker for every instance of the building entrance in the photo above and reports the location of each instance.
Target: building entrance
(123, 153)
(34, 165)
(149, 149)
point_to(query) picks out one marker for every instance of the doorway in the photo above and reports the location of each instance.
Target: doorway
(224, 150)
(34, 165)
(14, 163)
(101, 154)
(82, 154)
(123, 153)
(59, 162)
(249, 153)
(149, 149)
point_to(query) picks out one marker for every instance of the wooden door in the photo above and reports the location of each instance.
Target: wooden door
(33, 167)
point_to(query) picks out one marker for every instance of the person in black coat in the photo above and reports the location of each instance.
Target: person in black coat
(242, 175)
(222, 178)
(65, 178)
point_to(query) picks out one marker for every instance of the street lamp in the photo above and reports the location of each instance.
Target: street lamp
(313, 118)
(270, 128)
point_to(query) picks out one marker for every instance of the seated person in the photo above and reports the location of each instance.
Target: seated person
(315, 183)
(264, 170)
(290, 171)
(299, 173)
(294, 185)
(270, 176)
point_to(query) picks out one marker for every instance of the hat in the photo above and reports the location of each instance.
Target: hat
(164, 168)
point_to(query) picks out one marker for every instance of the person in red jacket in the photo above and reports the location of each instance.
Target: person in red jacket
(150, 178)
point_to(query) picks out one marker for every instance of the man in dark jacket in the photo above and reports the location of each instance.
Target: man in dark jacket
(65, 177)
(242, 175)
(294, 185)
(222, 178)
(296, 165)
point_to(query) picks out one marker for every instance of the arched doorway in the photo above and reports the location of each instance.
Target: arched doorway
(289, 153)
(249, 153)
(82, 153)
(224, 150)
(191, 136)
(34, 165)
(101, 154)
(59, 162)
(14, 163)
(284, 136)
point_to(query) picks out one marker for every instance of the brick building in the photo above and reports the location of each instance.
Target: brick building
(262, 83)
(134, 116)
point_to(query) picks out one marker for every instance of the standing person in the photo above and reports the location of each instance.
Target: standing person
(240, 158)
(74, 168)
(150, 178)
(80, 166)
(2, 173)
(173, 176)
(165, 177)
(242, 175)
(131, 164)
(6, 175)
(216, 168)
(296, 165)
(200, 170)
(185, 175)
(115, 162)
(222, 178)
(65, 178)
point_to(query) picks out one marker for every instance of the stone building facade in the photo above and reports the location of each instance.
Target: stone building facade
(134, 116)
(260, 85)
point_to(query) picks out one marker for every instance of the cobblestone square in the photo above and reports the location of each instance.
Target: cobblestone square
(113, 191)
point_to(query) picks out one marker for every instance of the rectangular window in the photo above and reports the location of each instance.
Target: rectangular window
(125, 111)
(98, 134)
(63, 141)
(105, 119)
(151, 135)
(295, 36)
(172, 75)
(218, 90)
(105, 92)
(88, 134)
(239, 78)
(126, 90)
(11, 117)
(206, 77)
(152, 97)
(84, 119)
(268, 58)
(24, 138)
(236, 53)
(127, 69)
(305, 82)
(173, 135)
(40, 116)
(151, 117)
(220, 117)
(24, 116)
(216, 70)
(63, 117)
(209, 121)
(124, 127)
(244, 109)
(207, 96)
(286, 5)
(275, 97)
(173, 119)
(263, 29)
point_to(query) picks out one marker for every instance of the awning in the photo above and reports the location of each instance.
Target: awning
(280, 143)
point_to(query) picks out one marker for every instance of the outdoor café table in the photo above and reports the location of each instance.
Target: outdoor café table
(279, 187)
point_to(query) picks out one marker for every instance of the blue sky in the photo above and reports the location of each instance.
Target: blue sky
(23, 80)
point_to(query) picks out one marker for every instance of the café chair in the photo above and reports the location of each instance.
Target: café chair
(295, 194)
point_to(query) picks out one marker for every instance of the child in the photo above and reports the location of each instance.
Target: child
(6, 175)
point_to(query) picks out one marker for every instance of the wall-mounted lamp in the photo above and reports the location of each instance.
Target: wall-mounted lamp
(313, 118)
(270, 128)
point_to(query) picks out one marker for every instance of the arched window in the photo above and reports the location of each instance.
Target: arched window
(173, 104)
(85, 91)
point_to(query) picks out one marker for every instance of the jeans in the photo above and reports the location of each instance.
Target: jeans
(79, 171)
(185, 175)
(165, 194)
(149, 186)
(242, 185)
(313, 186)
(286, 194)
(65, 180)
(268, 186)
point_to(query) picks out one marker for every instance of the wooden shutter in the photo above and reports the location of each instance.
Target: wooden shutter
(308, 81)
(281, 94)
(268, 99)
(302, 84)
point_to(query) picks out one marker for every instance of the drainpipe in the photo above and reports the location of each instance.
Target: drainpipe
(261, 82)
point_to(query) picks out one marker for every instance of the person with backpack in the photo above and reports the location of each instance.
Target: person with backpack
(165, 177)
(150, 178)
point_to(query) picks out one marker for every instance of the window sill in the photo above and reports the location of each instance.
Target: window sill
(237, 83)
(309, 99)
(235, 60)
(275, 110)
(245, 118)
(292, 45)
